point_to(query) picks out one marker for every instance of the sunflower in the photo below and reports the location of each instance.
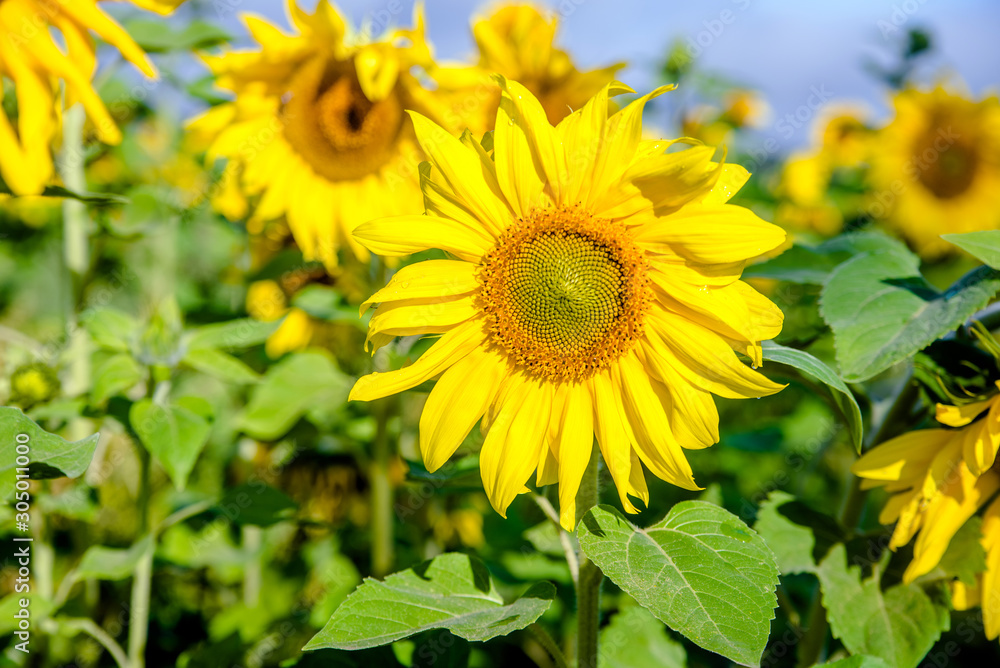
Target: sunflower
(939, 478)
(937, 170)
(34, 61)
(317, 129)
(594, 290)
(518, 42)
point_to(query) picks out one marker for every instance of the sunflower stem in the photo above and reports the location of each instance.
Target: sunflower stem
(588, 586)
(142, 581)
(383, 545)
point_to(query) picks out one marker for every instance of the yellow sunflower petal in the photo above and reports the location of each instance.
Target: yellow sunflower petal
(613, 436)
(405, 235)
(447, 350)
(575, 447)
(959, 416)
(711, 234)
(901, 457)
(455, 405)
(429, 280)
(990, 582)
(409, 319)
(512, 446)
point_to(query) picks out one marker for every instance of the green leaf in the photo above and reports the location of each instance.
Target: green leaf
(791, 543)
(155, 36)
(808, 265)
(115, 375)
(326, 303)
(290, 389)
(174, 434)
(111, 329)
(96, 199)
(798, 264)
(218, 364)
(830, 385)
(965, 557)
(700, 570)
(898, 626)
(984, 246)
(859, 661)
(49, 456)
(257, 504)
(637, 639)
(453, 591)
(108, 563)
(882, 311)
(232, 335)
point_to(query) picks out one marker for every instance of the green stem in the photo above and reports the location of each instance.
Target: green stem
(546, 641)
(97, 633)
(253, 573)
(383, 544)
(138, 629)
(588, 586)
(75, 251)
(812, 644)
(382, 519)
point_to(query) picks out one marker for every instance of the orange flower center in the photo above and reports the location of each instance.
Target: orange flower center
(565, 293)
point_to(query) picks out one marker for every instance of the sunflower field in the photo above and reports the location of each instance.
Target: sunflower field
(435, 334)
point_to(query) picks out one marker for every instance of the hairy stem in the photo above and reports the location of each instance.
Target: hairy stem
(383, 546)
(588, 586)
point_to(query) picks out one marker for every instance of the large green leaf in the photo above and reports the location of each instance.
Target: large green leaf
(291, 388)
(700, 570)
(49, 456)
(791, 543)
(898, 626)
(984, 245)
(452, 591)
(829, 384)
(257, 504)
(882, 311)
(637, 639)
(813, 265)
(173, 433)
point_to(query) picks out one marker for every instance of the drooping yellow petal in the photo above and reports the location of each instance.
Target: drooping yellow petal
(613, 436)
(958, 500)
(959, 416)
(706, 360)
(731, 180)
(654, 440)
(990, 581)
(455, 405)
(575, 447)
(511, 450)
(902, 457)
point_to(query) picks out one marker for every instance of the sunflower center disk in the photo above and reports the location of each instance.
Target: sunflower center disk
(946, 172)
(565, 293)
(334, 127)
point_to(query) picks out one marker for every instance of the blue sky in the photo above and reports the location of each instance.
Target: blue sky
(786, 49)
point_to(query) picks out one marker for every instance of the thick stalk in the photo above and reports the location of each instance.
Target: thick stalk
(138, 628)
(383, 544)
(75, 255)
(588, 586)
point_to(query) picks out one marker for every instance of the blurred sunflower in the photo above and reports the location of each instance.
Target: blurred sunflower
(937, 169)
(518, 42)
(36, 63)
(596, 290)
(939, 478)
(317, 129)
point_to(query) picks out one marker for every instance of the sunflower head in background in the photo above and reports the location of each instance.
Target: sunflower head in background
(518, 42)
(937, 168)
(938, 479)
(36, 63)
(317, 131)
(595, 290)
